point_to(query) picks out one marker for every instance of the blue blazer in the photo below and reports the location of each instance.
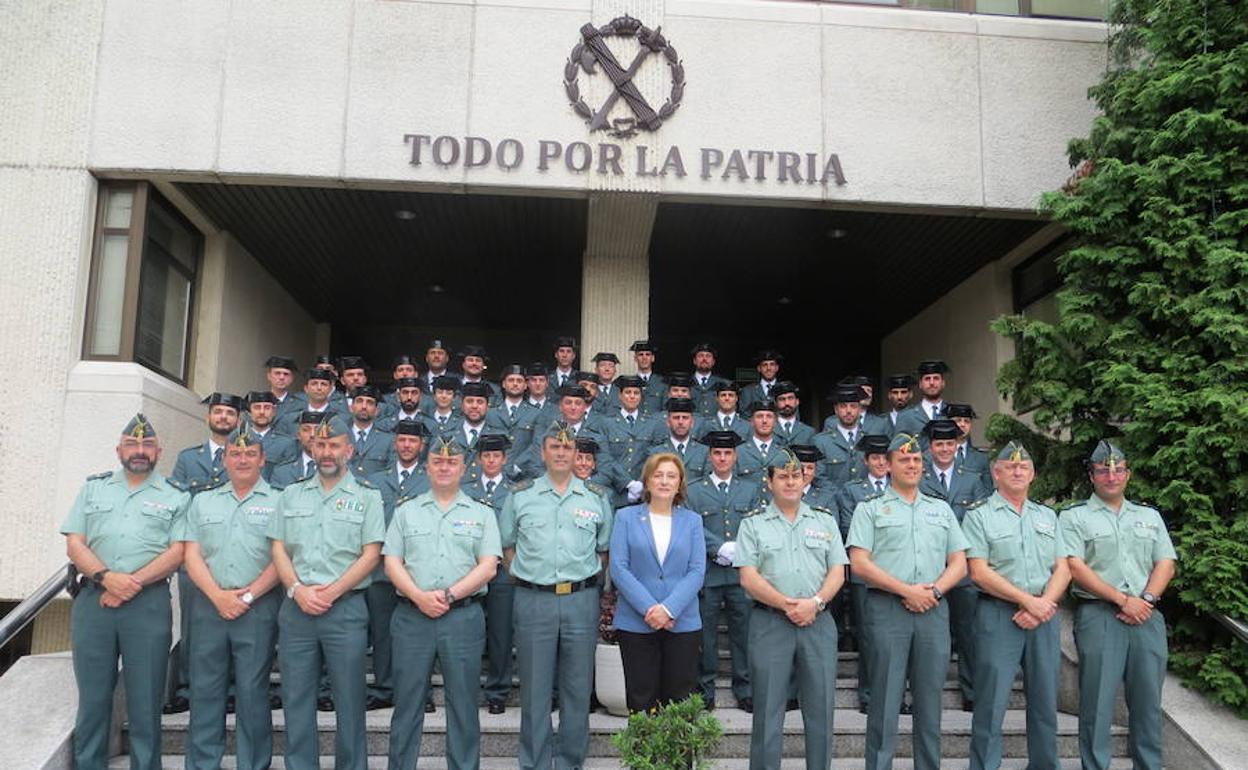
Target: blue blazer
(642, 582)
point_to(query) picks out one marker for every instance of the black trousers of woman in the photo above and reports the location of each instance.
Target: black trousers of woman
(659, 667)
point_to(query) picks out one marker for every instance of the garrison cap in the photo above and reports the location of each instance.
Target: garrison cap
(1106, 453)
(768, 355)
(478, 389)
(332, 427)
(629, 381)
(785, 460)
(565, 342)
(535, 370)
(848, 394)
(680, 406)
(403, 360)
(560, 431)
(724, 385)
(407, 382)
(643, 346)
(807, 453)
(723, 439)
(139, 427)
(493, 442)
(307, 417)
(680, 380)
(436, 344)
(446, 382)
(280, 362)
(704, 347)
(224, 399)
(941, 429)
(367, 391)
(873, 444)
(900, 381)
(473, 350)
(1013, 452)
(510, 369)
(765, 405)
(934, 366)
(410, 428)
(243, 436)
(587, 377)
(587, 446)
(613, 358)
(960, 410)
(569, 390)
(447, 446)
(261, 397)
(782, 387)
(351, 362)
(319, 373)
(324, 358)
(904, 442)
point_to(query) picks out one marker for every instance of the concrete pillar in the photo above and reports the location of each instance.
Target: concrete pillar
(615, 275)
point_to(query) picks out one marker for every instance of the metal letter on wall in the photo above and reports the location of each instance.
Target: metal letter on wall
(593, 51)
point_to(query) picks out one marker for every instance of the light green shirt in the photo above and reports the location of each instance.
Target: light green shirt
(794, 556)
(439, 547)
(1121, 548)
(325, 532)
(557, 538)
(1022, 548)
(231, 533)
(127, 528)
(910, 541)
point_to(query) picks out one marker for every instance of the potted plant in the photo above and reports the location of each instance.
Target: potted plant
(676, 736)
(608, 665)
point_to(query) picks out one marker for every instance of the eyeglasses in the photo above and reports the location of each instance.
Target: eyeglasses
(1104, 473)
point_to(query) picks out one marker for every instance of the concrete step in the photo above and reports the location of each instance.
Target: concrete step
(500, 734)
(175, 762)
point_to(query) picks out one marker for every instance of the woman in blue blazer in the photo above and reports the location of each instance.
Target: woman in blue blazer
(658, 560)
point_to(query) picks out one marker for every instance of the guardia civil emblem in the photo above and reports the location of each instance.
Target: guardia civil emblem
(593, 51)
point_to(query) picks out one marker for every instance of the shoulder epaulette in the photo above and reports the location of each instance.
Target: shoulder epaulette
(976, 504)
(821, 509)
(755, 511)
(404, 499)
(872, 496)
(597, 488)
(364, 482)
(102, 475)
(1069, 506)
(183, 487)
(519, 485)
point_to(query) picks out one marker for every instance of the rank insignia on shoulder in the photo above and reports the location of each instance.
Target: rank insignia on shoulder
(597, 488)
(755, 511)
(101, 475)
(178, 485)
(821, 509)
(976, 504)
(365, 483)
(872, 496)
(522, 485)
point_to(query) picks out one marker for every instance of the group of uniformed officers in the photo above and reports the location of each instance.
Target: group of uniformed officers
(454, 518)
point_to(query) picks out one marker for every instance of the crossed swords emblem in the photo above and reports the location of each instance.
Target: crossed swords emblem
(593, 52)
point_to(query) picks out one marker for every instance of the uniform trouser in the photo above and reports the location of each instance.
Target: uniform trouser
(963, 599)
(1112, 653)
(735, 604)
(660, 667)
(381, 600)
(555, 638)
(779, 650)
(858, 602)
(246, 646)
(1003, 647)
(179, 673)
(339, 639)
(901, 642)
(499, 635)
(456, 640)
(140, 632)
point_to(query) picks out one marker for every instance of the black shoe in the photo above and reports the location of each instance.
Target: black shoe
(374, 703)
(176, 705)
(906, 708)
(496, 706)
(862, 708)
(324, 703)
(746, 705)
(791, 705)
(968, 705)
(229, 705)
(430, 707)
(275, 701)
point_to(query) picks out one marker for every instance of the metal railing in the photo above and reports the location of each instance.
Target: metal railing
(1237, 627)
(12, 624)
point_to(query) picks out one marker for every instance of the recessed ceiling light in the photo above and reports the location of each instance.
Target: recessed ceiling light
(837, 233)
(405, 215)
(784, 301)
(437, 288)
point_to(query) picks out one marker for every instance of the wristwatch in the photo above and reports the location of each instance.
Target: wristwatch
(1150, 598)
(247, 598)
(448, 596)
(820, 604)
(98, 577)
(290, 592)
(939, 594)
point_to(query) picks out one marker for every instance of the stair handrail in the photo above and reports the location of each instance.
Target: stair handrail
(64, 579)
(1237, 627)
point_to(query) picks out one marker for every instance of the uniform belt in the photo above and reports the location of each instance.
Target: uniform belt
(558, 588)
(778, 611)
(465, 602)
